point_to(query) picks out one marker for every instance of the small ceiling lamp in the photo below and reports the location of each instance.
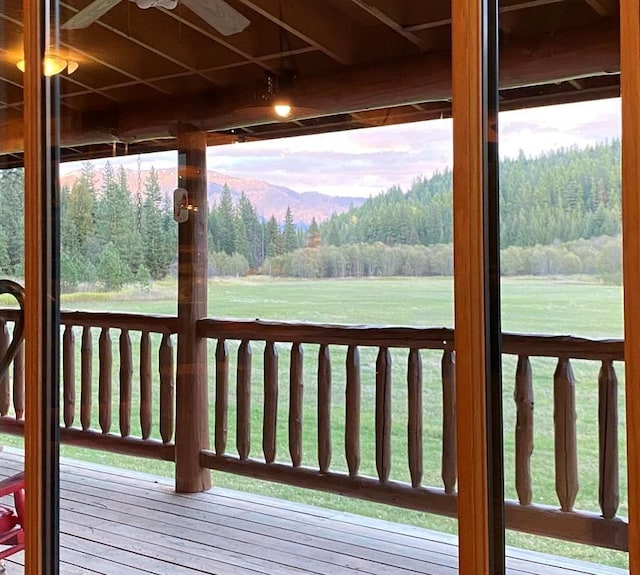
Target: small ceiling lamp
(279, 88)
(52, 65)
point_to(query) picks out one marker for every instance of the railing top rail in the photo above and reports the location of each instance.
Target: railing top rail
(300, 332)
(116, 320)
(412, 337)
(534, 345)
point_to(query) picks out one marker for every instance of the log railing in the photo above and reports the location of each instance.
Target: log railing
(370, 394)
(117, 410)
(402, 484)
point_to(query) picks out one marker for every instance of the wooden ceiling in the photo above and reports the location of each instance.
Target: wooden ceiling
(144, 75)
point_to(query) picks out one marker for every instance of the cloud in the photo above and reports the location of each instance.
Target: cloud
(369, 161)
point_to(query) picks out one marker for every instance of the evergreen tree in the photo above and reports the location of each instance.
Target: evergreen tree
(313, 234)
(274, 245)
(226, 233)
(156, 249)
(289, 237)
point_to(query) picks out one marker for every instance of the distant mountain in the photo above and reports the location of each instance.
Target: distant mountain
(268, 199)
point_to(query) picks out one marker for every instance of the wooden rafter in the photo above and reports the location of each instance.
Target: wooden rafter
(325, 31)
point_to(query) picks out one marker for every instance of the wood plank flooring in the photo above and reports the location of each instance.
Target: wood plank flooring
(117, 522)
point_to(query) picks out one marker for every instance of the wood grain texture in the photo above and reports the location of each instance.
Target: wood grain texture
(192, 395)
(383, 414)
(68, 376)
(609, 480)
(523, 397)
(126, 376)
(270, 418)
(222, 396)
(105, 362)
(146, 394)
(449, 471)
(243, 400)
(5, 382)
(167, 388)
(565, 443)
(324, 408)
(414, 423)
(469, 286)
(352, 411)
(86, 377)
(630, 88)
(18, 383)
(296, 389)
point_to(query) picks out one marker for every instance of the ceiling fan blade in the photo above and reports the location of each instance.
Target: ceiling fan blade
(90, 14)
(219, 15)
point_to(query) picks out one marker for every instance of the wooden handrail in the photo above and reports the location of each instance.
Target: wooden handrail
(235, 341)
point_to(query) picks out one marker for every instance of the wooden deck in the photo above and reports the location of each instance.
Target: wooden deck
(117, 522)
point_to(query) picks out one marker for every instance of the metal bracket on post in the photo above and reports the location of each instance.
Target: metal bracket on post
(181, 205)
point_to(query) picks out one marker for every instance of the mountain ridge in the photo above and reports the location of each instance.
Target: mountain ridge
(268, 199)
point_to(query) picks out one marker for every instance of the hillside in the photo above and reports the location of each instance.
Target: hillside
(268, 199)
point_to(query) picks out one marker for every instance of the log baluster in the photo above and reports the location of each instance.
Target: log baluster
(105, 361)
(270, 419)
(68, 376)
(222, 396)
(609, 484)
(145, 385)
(352, 411)
(324, 408)
(167, 388)
(414, 423)
(126, 376)
(18, 383)
(449, 460)
(5, 389)
(523, 397)
(295, 404)
(243, 428)
(86, 375)
(564, 418)
(383, 414)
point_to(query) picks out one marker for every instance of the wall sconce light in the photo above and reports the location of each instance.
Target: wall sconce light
(52, 65)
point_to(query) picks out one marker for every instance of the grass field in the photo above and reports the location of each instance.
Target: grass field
(552, 306)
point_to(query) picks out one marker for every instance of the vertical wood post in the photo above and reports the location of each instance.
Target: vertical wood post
(476, 282)
(630, 92)
(41, 255)
(192, 404)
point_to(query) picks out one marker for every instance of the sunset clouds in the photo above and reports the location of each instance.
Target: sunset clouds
(369, 161)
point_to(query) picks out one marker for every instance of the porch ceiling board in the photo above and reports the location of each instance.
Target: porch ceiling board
(145, 73)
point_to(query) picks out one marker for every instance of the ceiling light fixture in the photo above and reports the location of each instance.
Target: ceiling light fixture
(279, 88)
(52, 65)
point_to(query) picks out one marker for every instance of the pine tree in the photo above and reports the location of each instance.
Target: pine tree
(313, 234)
(157, 252)
(289, 238)
(225, 215)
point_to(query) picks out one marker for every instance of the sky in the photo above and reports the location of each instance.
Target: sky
(369, 161)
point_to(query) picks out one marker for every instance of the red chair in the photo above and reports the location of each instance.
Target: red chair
(12, 518)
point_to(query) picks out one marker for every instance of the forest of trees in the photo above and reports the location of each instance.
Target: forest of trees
(560, 214)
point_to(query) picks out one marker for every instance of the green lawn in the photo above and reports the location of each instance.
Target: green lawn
(529, 306)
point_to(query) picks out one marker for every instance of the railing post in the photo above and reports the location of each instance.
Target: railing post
(192, 423)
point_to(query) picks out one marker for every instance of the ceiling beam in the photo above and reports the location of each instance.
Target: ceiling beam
(326, 31)
(388, 21)
(396, 82)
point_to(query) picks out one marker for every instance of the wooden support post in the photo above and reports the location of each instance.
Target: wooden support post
(630, 91)
(476, 279)
(41, 301)
(192, 402)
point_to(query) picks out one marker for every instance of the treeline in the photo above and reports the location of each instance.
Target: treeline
(598, 257)
(109, 236)
(560, 215)
(557, 197)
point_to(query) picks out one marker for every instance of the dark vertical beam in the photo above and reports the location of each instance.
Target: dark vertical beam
(41, 301)
(493, 349)
(192, 422)
(477, 295)
(630, 91)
